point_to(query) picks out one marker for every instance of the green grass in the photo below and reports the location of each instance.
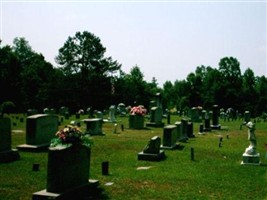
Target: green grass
(216, 173)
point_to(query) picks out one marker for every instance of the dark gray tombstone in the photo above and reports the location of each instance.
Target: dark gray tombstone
(178, 130)
(195, 116)
(190, 130)
(94, 126)
(169, 137)
(68, 173)
(184, 129)
(207, 126)
(136, 121)
(156, 113)
(40, 130)
(246, 117)
(215, 117)
(7, 154)
(99, 114)
(112, 113)
(32, 112)
(152, 151)
(201, 129)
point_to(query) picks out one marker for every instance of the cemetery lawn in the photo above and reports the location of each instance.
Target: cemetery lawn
(215, 173)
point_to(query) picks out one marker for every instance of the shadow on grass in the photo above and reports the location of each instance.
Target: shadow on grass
(94, 193)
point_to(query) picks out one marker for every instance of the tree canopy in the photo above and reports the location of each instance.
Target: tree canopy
(86, 78)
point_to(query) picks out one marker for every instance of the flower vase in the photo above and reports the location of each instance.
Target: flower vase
(67, 168)
(136, 121)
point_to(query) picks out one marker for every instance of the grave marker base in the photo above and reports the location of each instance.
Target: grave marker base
(152, 157)
(216, 127)
(153, 124)
(33, 148)
(175, 146)
(81, 192)
(251, 159)
(9, 156)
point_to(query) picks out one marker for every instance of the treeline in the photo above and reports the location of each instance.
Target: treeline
(85, 77)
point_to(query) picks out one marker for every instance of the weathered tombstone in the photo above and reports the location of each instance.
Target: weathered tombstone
(112, 110)
(251, 156)
(7, 154)
(156, 113)
(94, 126)
(40, 129)
(169, 137)
(215, 117)
(152, 151)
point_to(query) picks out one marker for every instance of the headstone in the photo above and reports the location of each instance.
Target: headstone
(184, 129)
(190, 130)
(68, 171)
(215, 117)
(77, 115)
(178, 130)
(32, 112)
(156, 113)
(207, 126)
(94, 126)
(136, 121)
(99, 115)
(201, 129)
(63, 110)
(122, 109)
(169, 137)
(152, 151)
(112, 110)
(246, 117)
(195, 117)
(40, 129)
(7, 154)
(251, 156)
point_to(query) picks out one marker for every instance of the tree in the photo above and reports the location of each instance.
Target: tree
(84, 65)
(261, 87)
(37, 76)
(229, 69)
(10, 80)
(248, 93)
(84, 53)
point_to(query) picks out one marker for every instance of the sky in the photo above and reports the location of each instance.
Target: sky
(167, 40)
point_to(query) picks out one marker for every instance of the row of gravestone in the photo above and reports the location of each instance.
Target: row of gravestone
(40, 129)
(180, 131)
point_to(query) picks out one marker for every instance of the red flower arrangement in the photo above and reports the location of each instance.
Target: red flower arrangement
(138, 110)
(70, 135)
